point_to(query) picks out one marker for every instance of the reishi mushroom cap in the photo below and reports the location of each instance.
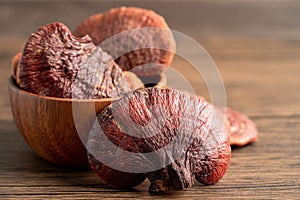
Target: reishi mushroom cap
(242, 130)
(55, 63)
(181, 133)
(105, 26)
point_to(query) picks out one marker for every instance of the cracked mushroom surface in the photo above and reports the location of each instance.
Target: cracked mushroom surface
(185, 139)
(103, 26)
(55, 63)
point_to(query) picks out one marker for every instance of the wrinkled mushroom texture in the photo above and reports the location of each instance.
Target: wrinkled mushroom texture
(242, 130)
(105, 25)
(152, 119)
(55, 63)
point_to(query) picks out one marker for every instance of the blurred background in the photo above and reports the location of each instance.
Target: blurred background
(199, 18)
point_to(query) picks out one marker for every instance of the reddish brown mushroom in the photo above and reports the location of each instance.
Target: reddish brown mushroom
(55, 63)
(242, 130)
(165, 135)
(105, 25)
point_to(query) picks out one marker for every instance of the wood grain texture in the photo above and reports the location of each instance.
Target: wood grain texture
(266, 169)
(256, 46)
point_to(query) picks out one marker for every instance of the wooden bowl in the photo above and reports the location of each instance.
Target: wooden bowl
(55, 128)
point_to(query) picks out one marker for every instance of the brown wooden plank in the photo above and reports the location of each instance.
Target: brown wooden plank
(260, 76)
(268, 168)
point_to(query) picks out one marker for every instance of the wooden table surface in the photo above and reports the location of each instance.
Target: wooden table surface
(260, 70)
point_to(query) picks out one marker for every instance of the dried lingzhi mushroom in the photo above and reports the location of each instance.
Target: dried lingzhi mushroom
(55, 63)
(181, 131)
(242, 130)
(103, 26)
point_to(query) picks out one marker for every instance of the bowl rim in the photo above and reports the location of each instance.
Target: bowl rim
(12, 86)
